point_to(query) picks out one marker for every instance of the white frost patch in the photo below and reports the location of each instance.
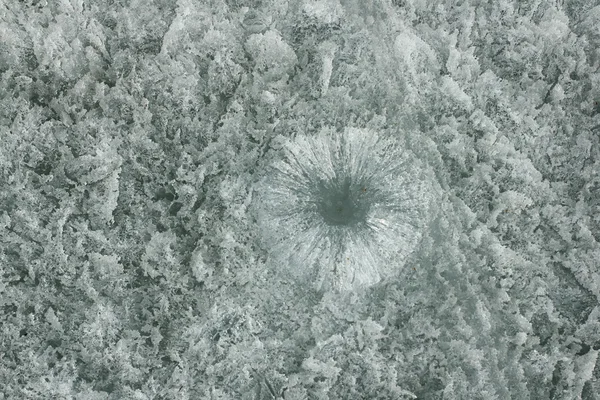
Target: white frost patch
(417, 57)
(554, 25)
(324, 11)
(327, 51)
(271, 53)
(451, 89)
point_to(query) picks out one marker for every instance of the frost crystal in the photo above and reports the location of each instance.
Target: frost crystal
(343, 209)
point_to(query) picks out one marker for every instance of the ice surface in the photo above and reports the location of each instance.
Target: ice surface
(311, 199)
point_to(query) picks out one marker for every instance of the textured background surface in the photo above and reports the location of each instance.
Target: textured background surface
(132, 137)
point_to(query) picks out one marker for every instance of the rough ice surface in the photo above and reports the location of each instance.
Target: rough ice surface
(298, 200)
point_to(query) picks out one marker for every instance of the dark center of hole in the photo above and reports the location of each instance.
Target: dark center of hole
(342, 203)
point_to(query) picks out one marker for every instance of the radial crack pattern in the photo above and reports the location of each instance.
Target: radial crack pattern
(343, 209)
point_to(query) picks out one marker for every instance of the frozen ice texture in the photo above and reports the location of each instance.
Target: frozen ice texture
(343, 209)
